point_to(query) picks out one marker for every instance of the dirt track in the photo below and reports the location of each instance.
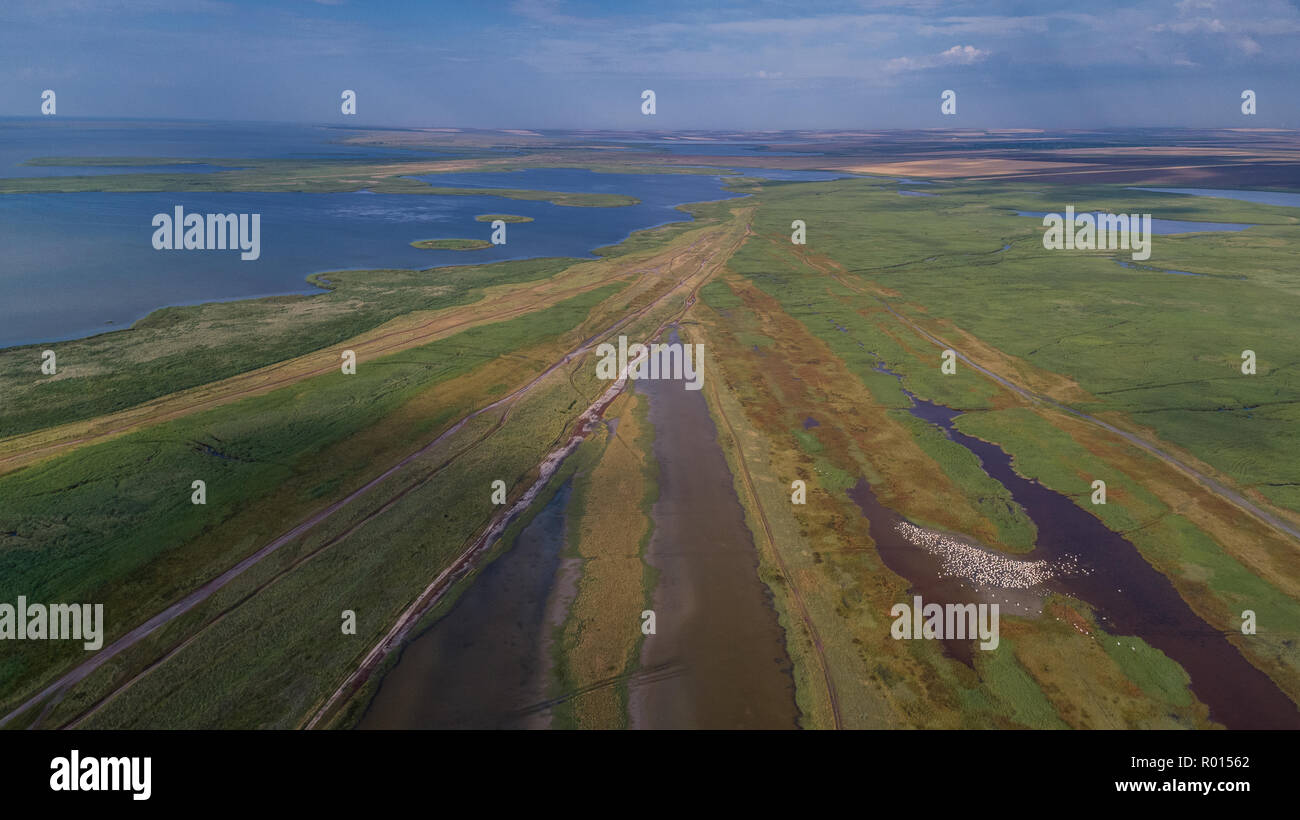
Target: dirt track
(446, 579)
(188, 602)
(1209, 483)
(498, 304)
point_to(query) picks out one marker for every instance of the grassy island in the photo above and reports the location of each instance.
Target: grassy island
(451, 244)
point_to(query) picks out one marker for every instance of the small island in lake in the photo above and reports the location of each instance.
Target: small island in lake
(451, 244)
(503, 218)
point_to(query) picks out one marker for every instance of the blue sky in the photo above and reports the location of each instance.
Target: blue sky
(719, 65)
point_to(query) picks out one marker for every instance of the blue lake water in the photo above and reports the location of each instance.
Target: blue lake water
(72, 265)
(1260, 197)
(1165, 226)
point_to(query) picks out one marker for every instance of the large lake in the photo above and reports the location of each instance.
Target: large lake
(73, 265)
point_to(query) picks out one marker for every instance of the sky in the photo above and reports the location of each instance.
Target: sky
(714, 64)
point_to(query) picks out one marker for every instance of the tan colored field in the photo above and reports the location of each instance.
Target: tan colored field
(955, 167)
(800, 360)
(600, 638)
(819, 559)
(411, 330)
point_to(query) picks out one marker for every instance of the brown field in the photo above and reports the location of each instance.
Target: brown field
(949, 167)
(407, 331)
(597, 643)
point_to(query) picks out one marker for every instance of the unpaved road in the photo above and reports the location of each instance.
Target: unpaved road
(1209, 483)
(465, 561)
(499, 303)
(188, 602)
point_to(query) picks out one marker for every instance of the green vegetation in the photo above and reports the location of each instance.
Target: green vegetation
(76, 521)
(1015, 529)
(176, 348)
(793, 331)
(502, 217)
(1020, 697)
(609, 527)
(1150, 669)
(1161, 349)
(267, 646)
(303, 176)
(451, 244)
(1218, 585)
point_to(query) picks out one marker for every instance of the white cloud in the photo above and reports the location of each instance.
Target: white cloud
(957, 55)
(1248, 45)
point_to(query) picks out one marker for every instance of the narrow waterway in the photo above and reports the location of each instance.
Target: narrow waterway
(718, 653)
(1129, 595)
(717, 629)
(484, 662)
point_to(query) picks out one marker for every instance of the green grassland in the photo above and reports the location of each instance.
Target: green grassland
(502, 217)
(271, 677)
(1219, 586)
(78, 523)
(1045, 674)
(451, 244)
(842, 582)
(271, 660)
(176, 348)
(302, 176)
(113, 522)
(1164, 349)
(1161, 349)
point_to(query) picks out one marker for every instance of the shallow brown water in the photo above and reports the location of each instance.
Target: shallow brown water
(484, 662)
(718, 657)
(716, 627)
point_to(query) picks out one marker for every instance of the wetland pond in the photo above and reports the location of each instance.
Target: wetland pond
(1091, 563)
